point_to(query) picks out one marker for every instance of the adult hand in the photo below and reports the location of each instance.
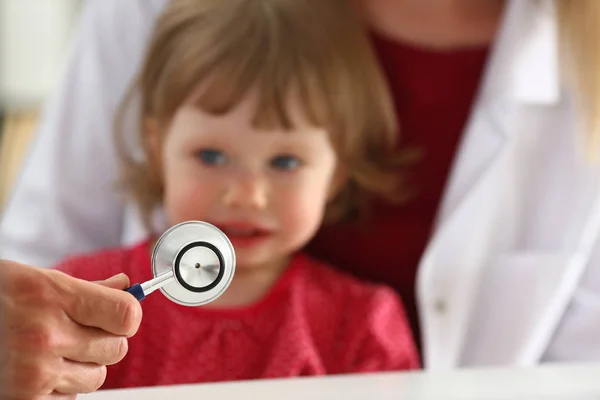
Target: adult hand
(59, 333)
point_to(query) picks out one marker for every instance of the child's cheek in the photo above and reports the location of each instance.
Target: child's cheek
(301, 216)
(189, 198)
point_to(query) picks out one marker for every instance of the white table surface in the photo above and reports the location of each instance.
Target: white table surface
(548, 382)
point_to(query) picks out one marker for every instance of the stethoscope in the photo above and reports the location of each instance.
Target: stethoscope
(193, 263)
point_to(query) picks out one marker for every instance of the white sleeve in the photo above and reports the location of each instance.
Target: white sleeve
(65, 200)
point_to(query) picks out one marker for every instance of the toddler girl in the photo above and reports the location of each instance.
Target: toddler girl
(264, 118)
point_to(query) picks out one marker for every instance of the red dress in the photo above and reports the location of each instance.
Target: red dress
(315, 320)
(433, 93)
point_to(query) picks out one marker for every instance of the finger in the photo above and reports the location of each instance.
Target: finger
(80, 378)
(51, 396)
(59, 396)
(120, 281)
(92, 345)
(93, 305)
(25, 376)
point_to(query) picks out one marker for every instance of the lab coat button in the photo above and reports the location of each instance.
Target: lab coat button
(440, 306)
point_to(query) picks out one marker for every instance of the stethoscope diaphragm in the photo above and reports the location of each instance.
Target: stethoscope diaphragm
(193, 263)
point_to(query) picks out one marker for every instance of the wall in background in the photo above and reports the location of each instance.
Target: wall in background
(18, 128)
(34, 42)
(34, 39)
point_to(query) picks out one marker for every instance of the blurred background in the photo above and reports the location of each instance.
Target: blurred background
(34, 43)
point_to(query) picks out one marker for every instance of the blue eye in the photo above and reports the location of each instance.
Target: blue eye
(211, 156)
(286, 162)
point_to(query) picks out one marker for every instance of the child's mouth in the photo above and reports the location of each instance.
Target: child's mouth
(241, 232)
(244, 236)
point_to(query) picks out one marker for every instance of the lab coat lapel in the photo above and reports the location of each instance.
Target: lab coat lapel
(481, 180)
(523, 69)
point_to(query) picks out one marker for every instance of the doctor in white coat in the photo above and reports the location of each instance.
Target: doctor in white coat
(511, 275)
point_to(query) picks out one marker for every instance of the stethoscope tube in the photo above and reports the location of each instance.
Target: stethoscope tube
(140, 291)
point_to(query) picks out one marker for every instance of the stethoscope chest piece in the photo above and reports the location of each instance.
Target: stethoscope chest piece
(193, 263)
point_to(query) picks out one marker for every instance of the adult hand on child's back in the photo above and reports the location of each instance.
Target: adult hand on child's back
(58, 333)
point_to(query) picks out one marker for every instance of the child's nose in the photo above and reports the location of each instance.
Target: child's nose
(246, 191)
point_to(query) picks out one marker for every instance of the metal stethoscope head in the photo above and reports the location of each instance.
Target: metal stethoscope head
(193, 263)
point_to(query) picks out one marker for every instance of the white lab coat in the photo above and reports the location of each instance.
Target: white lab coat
(511, 275)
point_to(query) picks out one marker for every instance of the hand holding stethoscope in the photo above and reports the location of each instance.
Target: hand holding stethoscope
(193, 263)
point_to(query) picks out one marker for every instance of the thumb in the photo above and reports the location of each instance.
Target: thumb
(119, 281)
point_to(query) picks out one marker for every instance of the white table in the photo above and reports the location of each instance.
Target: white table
(548, 382)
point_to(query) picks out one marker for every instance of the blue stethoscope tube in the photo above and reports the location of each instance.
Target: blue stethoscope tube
(140, 291)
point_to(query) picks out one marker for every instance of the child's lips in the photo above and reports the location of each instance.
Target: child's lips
(245, 235)
(243, 229)
(243, 232)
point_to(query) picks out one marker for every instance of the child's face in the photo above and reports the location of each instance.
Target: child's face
(267, 190)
